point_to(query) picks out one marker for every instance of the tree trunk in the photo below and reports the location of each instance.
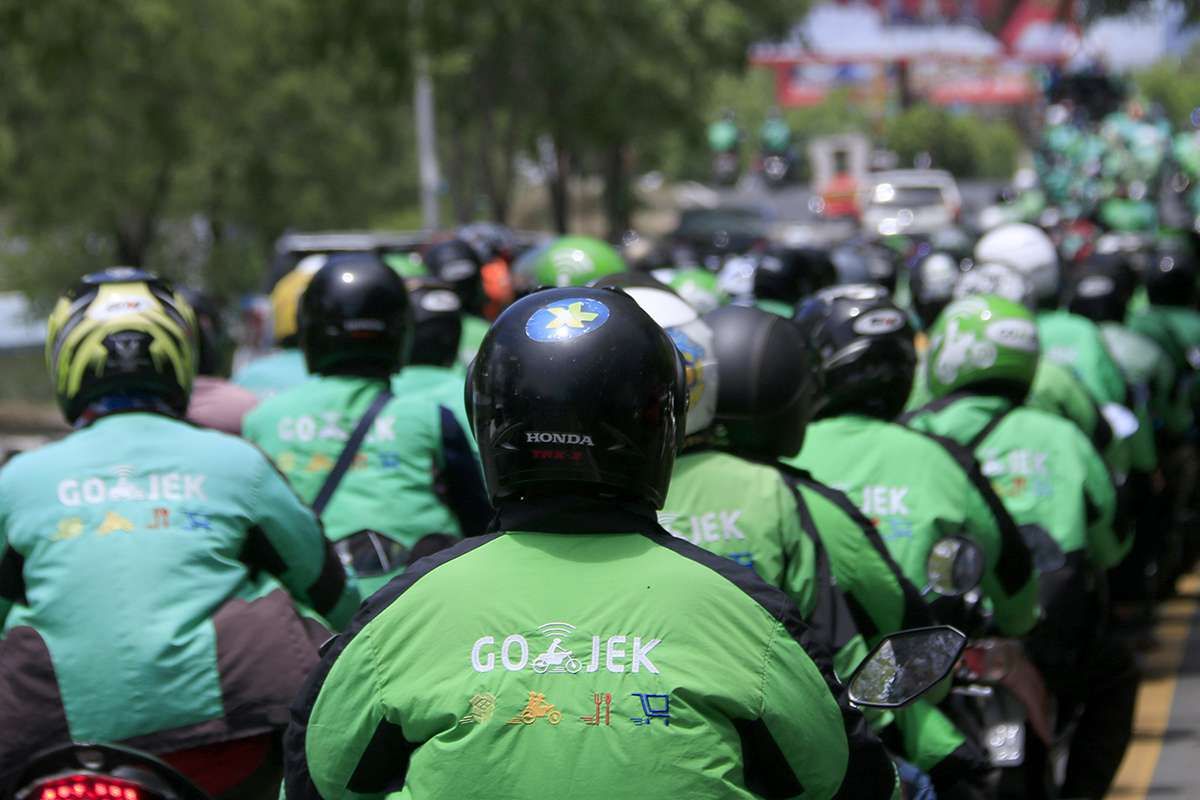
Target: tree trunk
(461, 191)
(618, 201)
(135, 232)
(556, 183)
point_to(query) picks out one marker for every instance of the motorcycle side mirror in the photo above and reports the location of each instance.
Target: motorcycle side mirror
(954, 567)
(1047, 555)
(905, 665)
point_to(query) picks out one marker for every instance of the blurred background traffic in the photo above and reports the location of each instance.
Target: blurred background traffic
(219, 143)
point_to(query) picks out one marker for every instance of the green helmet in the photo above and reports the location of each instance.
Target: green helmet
(568, 261)
(121, 331)
(697, 286)
(982, 339)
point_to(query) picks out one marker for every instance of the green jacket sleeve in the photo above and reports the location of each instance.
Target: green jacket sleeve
(799, 575)
(286, 539)
(346, 715)
(803, 717)
(1105, 547)
(1009, 582)
(6, 602)
(882, 600)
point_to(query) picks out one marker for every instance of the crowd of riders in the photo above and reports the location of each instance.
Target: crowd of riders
(499, 521)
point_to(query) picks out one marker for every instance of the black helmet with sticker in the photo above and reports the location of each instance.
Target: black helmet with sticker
(457, 263)
(577, 390)
(865, 343)
(1101, 287)
(437, 322)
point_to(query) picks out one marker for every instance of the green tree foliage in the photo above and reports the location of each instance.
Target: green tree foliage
(967, 146)
(185, 136)
(599, 83)
(1173, 83)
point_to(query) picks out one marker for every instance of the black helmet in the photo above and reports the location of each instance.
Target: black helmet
(577, 390)
(437, 322)
(121, 331)
(214, 345)
(865, 344)
(864, 262)
(457, 263)
(1100, 288)
(770, 380)
(355, 318)
(932, 284)
(1171, 279)
(789, 274)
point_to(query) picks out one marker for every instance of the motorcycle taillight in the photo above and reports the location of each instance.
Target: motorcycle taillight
(89, 787)
(987, 660)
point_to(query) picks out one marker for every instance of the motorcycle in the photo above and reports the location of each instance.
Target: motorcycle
(83, 771)
(776, 168)
(725, 167)
(999, 698)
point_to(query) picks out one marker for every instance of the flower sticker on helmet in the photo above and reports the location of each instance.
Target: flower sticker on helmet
(566, 319)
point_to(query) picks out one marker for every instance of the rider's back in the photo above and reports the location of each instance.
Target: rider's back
(131, 537)
(681, 665)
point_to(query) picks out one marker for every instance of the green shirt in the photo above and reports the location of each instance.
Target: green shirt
(586, 665)
(273, 373)
(132, 533)
(1042, 467)
(1076, 343)
(917, 490)
(398, 484)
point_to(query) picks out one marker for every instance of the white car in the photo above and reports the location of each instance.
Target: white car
(909, 201)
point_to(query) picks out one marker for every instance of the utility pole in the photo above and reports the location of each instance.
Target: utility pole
(429, 175)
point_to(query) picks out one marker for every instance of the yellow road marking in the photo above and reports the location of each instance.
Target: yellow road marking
(1160, 671)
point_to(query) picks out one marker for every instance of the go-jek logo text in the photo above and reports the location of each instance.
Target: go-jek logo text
(515, 652)
(131, 486)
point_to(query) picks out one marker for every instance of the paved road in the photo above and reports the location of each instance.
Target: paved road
(791, 202)
(1163, 761)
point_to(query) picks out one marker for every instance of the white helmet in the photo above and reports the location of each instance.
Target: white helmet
(1027, 249)
(998, 279)
(694, 341)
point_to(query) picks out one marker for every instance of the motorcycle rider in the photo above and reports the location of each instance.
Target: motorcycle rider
(770, 380)
(1171, 318)
(1069, 339)
(283, 368)
(1056, 388)
(758, 526)
(578, 403)
(413, 484)
(437, 329)
(141, 554)
(865, 344)
(982, 360)
(932, 285)
(785, 275)
(725, 142)
(215, 402)
(566, 261)
(1172, 321)
(775, 136)
(457, 263)
(775, 147)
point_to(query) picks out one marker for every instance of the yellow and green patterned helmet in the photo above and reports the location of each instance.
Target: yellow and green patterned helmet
(121, 331)
(983, 341)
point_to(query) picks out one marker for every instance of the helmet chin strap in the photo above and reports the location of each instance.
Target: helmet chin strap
(124, 402)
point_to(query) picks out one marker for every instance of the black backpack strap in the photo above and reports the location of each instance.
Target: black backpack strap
(986, 430)
(349, 451)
